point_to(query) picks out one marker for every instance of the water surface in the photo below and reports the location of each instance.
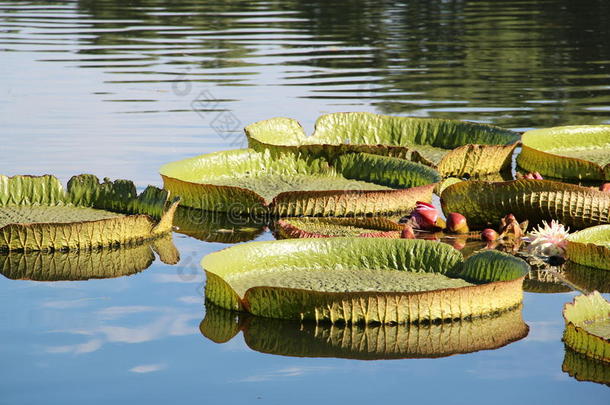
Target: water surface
(119, 88)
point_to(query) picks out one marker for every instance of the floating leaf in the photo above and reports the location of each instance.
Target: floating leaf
(248, 182)
(364, 342)
(359, 280)
(37, 214)
(492, 265)
(86, 264)
(571, 152)
(387, 171)
(484, 204)
(587, 329)
(590, 247)
(455, 148)
(449, 181)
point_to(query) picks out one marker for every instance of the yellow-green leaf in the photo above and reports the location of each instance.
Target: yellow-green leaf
(485, 204)
(587, 330)
(570, 152)
(361, 280)
(456, 148)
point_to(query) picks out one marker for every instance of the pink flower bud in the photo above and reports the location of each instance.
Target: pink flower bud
(457, 223)
(407, 233)
(425, 215)
(489, 235)
(605, 187)
(533, 176)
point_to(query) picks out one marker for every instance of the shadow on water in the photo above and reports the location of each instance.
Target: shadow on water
(584, 278)
(584, 368)
(378, 342)
(87, 264)
(220, 227)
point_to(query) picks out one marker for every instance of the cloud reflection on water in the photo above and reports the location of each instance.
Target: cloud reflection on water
(167, 321)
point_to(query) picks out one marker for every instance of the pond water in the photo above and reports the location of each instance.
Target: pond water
(119, 88)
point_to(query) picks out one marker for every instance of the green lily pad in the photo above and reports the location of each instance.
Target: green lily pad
(249, 182)
(587, 329)
(219, 227)
(584, 368)
(30, 214)
(87, 264)
(347, 280)
(36, 213)
(572, 152)
(455, 148)
(590, 247)
(303, 227)
(362, 280)
(484, 203)
(364, 342)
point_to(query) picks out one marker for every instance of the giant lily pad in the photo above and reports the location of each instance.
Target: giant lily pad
(572, 152)
(36, 213)
(364, 342)
(303, 227)
(248, 182)
(362, 280)
(587, 329)
(87, 264)
(590, 247)
(484, 204)
(455, 148)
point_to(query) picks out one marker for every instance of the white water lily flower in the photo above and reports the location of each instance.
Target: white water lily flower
(548, 239)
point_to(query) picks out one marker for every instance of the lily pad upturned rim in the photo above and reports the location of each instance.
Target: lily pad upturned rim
(583, 248)
(364, 342)
(538, 154)
(502, 275)
(143, 217)
(461, 158)
(383, 196)
(485, 203)
(578, 314)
